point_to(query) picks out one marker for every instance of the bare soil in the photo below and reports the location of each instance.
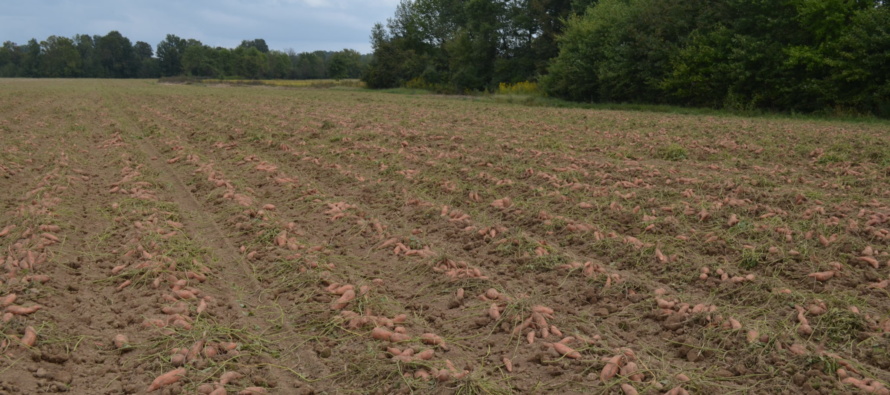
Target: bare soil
(300, 241)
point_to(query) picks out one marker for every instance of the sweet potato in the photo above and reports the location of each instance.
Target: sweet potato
(253, 391)
(195, 350)
(432, 339)
(611, 368)
(124, 285)
(120, 341)
(659, 256)
(629, 370)
(381, 333)
(566, 351)
(50, 228)
(677, 391)
(184, 294)
(228, 346)
(508, 364)
(210, 351)
(177, 359)
(733, 219)
(202, 306)
(521, 327)
(870, 260)
(344, 300)
(176, 308)
(628, 389)
(230, 377)
(8, 300)
(6, 230)
(166, 379)
(425, 354)
(502, 203)
(822, 276)
(399, 337)
(735, 324)
(752, 336)
(21, 310)
(664, 304)
(797, 349)
(494, 312)
(196, 276)
(805, 329)
(30, 337)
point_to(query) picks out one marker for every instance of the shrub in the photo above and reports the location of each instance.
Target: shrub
(519, 88)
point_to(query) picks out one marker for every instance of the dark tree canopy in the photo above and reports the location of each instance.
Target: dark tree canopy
(795, 55)
(789, 55)
(467, 45)
(115, 56)
(258, 43)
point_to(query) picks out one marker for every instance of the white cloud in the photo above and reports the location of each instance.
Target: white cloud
(303, 25)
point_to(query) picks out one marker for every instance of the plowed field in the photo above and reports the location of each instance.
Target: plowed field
(198, 239)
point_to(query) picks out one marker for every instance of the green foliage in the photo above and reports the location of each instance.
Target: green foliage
(519, 88)
(467, 45)
(840, 326)
(60, 57)
(114, 56)
(345, 64)
(827, 56)
(420, 83)
(619, 50)
(259, 44)
(170, 52)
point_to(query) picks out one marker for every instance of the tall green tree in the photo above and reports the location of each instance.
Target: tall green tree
(86, 46)
(147, 64)
(199, 60)
(250, 63)
(169, 52)
(279, 65)
(345, 64)
(30, 61)
(467, 44)
(116, 55)
(10, 59)
(859, 62)
(309, 65)
(258, 43)
(60, 58)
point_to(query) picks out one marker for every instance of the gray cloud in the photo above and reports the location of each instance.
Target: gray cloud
(302, 25)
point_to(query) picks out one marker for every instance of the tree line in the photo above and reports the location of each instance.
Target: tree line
(115, 56)
(786, 55)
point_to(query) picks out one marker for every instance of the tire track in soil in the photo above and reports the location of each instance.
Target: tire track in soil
(323, 179)
(428, 305)
(407, 291)
(421, 302)
(207, 232)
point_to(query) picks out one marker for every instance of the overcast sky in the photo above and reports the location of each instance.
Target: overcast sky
(302, 25)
